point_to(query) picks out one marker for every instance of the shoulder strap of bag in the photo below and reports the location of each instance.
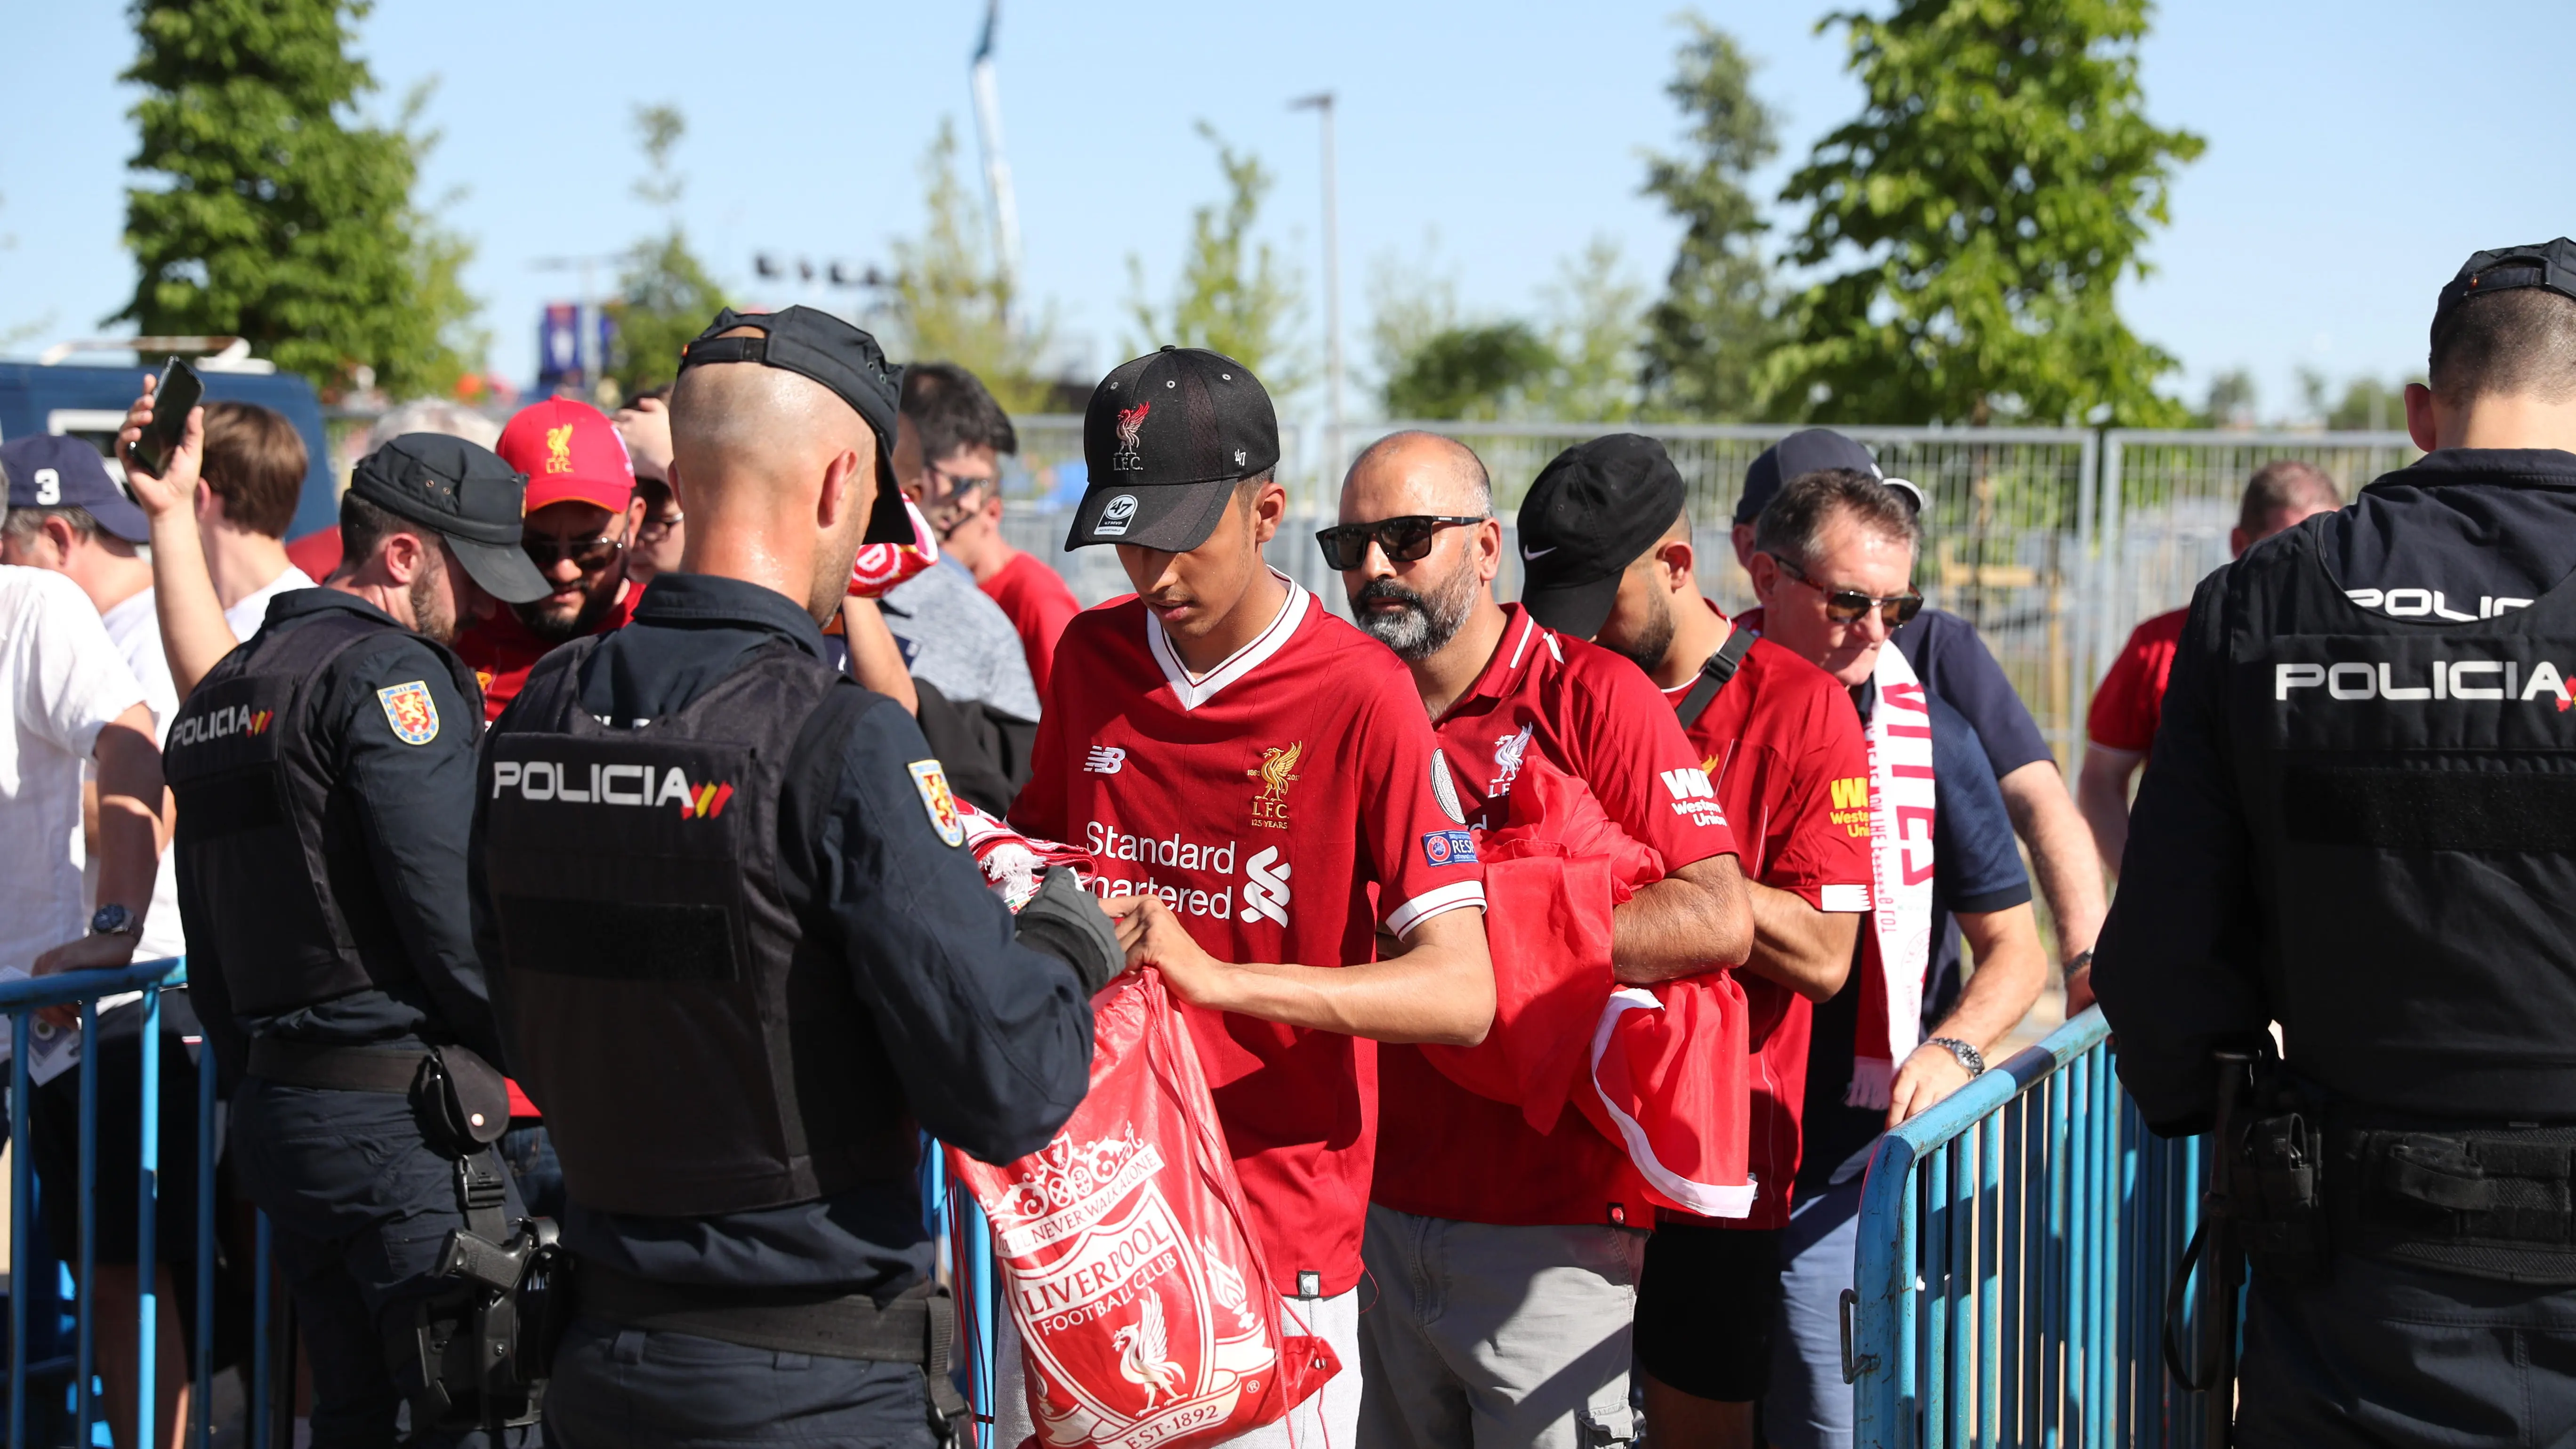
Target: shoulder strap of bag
(1713, 675)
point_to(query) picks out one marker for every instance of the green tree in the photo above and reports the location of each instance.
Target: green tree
(951, 299)
(272, 211)
(2230, 402)
(1487, 371)
(1718, 318)
(1995, 189)
(1235, 295)
(1594, 330)
(666, 295)
(1411, 300)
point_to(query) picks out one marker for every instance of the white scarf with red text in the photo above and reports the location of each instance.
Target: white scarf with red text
(1898, 949)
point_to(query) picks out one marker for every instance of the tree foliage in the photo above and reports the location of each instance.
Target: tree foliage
(1486, 371)
(1718, 318)
(1580, 364)
(273, 212)
(1997, 186)
(666, 295)
(952, 301)
(1235, 295)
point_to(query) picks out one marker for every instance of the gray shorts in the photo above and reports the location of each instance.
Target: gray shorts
(1488, 1335)
(1809, 1406)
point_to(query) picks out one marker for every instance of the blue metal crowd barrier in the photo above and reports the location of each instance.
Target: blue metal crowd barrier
(2015, 1243)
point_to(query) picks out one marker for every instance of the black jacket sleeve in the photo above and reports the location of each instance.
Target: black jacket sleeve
(415, 805)
(991, 1040)
(2178, 967)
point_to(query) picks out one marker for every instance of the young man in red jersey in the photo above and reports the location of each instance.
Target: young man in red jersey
(1263, 797)
(2121, 726)
(582, 513)
(1505, 1259)
(1785, 750)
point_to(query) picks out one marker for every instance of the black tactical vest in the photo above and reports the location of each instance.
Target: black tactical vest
(692, 1052)
(2411, 792)
(275, 867)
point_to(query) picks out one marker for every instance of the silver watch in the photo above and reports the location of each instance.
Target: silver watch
(1969, 1057)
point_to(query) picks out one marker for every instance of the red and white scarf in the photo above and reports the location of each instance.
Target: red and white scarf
(1898, 949)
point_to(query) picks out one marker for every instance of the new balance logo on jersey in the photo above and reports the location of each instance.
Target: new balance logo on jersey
(1265, 888)
(1693, 797)
(1105, 760)
(644, 785)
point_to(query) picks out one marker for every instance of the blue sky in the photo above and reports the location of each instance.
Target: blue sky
(2358, 151)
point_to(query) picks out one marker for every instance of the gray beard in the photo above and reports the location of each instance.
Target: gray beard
(1427, 622)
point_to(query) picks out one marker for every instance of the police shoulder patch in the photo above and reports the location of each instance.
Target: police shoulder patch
(932, 782)
(410, 710)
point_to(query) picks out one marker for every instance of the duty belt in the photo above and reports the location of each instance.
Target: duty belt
(2485, 1202)
(390, 1070)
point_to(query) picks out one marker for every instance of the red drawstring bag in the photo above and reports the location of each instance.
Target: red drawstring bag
(1128, 1258)
(1669, 1079)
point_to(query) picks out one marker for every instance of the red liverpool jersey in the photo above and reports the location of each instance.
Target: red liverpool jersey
(1285, 805)
(1446, 1152)
(1784, 747)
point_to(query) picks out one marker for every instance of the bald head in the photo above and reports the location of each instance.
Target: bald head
(1416, 472)
(778, 475)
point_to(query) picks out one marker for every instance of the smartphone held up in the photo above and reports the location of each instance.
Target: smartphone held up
(173, 398)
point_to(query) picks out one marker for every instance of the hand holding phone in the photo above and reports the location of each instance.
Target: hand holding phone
(174, 397)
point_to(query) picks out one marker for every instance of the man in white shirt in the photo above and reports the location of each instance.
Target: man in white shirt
(72, 700)
(218, 550)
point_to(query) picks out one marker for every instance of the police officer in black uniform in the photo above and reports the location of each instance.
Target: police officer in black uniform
(740, 953)
(2359, 821)
(324, 773)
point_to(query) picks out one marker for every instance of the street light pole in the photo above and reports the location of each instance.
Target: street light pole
(1322, 104)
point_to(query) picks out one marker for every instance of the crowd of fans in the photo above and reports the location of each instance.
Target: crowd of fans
(1510, 1264)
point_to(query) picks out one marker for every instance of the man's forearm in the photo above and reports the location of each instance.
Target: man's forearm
(1805, 949)
(876, 660)
(2061, 851)
(2010, 970)
(129, 828)
(2102, 795)
(1696, 919)
(1441, 990)
(194, 634)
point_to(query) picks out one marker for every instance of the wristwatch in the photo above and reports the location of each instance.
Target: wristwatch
(1973, 1060)
(2080, 961)
(115, 920)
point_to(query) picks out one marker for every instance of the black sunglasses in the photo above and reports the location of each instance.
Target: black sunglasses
(1404, 539)
(1845, 606)
(587, 554)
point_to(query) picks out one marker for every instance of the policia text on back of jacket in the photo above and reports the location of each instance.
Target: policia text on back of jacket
(739, 953)
(324, 772)
(2359, 821)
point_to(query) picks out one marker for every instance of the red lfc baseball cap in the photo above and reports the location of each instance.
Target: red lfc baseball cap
(571, 453)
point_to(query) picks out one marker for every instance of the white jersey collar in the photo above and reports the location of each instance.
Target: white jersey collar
(1195, 692)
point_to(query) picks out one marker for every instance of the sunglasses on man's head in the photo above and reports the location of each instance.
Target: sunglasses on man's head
(1405, 539)
(587, 554)
(1845, 606)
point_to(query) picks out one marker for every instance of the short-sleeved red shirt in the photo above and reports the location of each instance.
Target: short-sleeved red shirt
(1443, 1151)
(1784, 747)
(2131, 701)
(1039, 605)
(501, 650)
(1284, 805)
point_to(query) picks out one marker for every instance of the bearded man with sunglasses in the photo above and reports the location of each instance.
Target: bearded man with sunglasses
(583, 510)
(1506, 1256)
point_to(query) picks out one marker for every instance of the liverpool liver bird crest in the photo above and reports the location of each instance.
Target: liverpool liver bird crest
(1144, 1351)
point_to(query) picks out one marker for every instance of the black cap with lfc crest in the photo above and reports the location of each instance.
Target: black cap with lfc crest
(1167, 436)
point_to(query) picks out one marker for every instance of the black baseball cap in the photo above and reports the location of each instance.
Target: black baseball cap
(464, 493)
(1811, 451)
(844, 359)
(1595, 508)
(1167, 436)
(46, 470)
(2550, 265)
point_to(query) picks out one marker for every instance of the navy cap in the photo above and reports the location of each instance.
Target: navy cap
(2547, 265)
(1592, 511)
(47, 471)
(844, 359)
(1166, 438)
(464, 493)
(1811, 451)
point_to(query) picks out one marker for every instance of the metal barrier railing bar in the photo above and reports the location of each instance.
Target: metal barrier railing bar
(2014, 1245)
